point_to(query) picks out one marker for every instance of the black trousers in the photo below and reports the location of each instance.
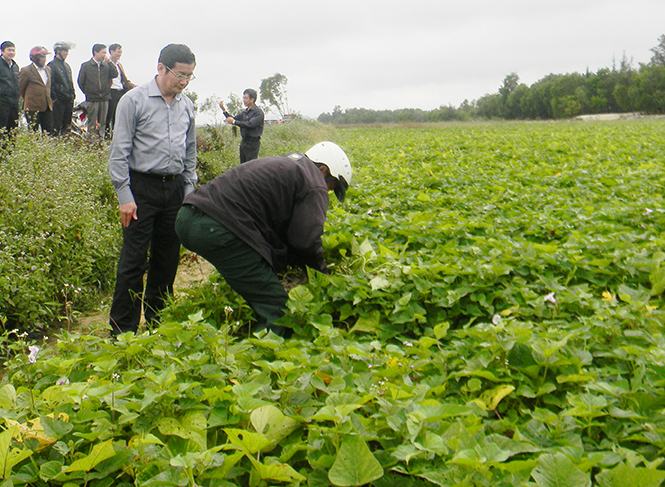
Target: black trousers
(249, 148)
(158, 201)
(62, 116)
(8, 119)
(110, 116)
(43, 120)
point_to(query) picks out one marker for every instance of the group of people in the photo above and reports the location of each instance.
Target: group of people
(48, 90)
(248, 222)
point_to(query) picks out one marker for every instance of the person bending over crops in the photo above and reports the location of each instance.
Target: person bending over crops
(244, 219)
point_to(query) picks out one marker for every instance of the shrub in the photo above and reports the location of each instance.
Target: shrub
(58, 230)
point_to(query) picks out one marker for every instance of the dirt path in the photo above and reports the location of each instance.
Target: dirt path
(191, 271)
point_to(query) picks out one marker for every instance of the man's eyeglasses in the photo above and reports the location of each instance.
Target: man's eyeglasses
(188, 77)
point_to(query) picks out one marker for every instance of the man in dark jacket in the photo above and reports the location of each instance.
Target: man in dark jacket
(244, 219)
(95, 79)
(62, 89)
(250, 122)
(9, 92)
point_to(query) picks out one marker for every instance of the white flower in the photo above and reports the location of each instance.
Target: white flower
(647, 211)
(228, 309)
(33, 353)
(62, 381)
(550, 298)
(496, 319)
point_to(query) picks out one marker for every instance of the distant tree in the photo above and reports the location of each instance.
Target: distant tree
(210, 106)
(649, 94)
(234, 104)
(273, 93)
(658, 58)
(194, 96)
(510, 83)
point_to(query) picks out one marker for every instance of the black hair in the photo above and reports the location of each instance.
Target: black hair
(176, 53)
(251, 93)
(97, 47)
(6, 44)
(114, 47)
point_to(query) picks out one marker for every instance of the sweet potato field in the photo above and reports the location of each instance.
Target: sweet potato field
(494, 317)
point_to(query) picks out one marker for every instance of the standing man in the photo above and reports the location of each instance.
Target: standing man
(152, 162)
(250, 122)
(243, 220)
(94, 80)
(62, 88)
(35, 87)
(119, 86)
(9, 92)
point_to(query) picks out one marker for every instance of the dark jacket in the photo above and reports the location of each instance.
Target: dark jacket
(250, 121)
(62, 84)
(273, 204)
(95, 80)
(9, 87)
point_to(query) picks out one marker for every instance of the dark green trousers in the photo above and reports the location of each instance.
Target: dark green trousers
(242, 267)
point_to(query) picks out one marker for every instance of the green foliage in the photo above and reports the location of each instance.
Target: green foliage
(58, 230)
(218, 145)
(493, 318)
(273, 93)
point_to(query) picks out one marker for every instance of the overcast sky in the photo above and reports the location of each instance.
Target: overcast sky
(351, 53)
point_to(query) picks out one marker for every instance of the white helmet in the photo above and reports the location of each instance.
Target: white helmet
(335, 158)
(64, 45)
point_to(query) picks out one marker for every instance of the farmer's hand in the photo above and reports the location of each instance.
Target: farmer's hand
(127, 213)
(221, 105)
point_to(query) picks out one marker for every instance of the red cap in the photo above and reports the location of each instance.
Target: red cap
(39, 51)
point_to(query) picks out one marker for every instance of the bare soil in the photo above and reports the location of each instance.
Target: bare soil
(191, 271)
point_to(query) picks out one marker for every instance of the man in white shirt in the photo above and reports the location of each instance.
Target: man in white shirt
(119, 86)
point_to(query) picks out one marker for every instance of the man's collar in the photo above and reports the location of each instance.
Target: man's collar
(153, 89)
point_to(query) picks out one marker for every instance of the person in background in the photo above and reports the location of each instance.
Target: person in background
(152, 163)
(94, 80)
(250, 122)
(35, 88)
(9, 92)
(256, 217)
(119, 86)
(62, 88)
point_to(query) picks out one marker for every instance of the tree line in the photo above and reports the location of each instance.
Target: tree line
(619, 89)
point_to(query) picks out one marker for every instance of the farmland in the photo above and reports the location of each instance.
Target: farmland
(493, 317)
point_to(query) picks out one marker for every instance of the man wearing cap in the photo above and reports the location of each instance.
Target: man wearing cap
(35, 88)
(94, 80)
(152, 163)
(62, 88)
(248, 219)
(9, 91)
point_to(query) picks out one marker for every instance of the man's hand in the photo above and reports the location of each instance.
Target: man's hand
(127, 213)
(230, 120)
(221, 105)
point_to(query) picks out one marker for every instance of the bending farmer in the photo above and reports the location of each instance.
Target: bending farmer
(243, 219)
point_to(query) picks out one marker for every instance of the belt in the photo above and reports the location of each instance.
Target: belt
(151, 175)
